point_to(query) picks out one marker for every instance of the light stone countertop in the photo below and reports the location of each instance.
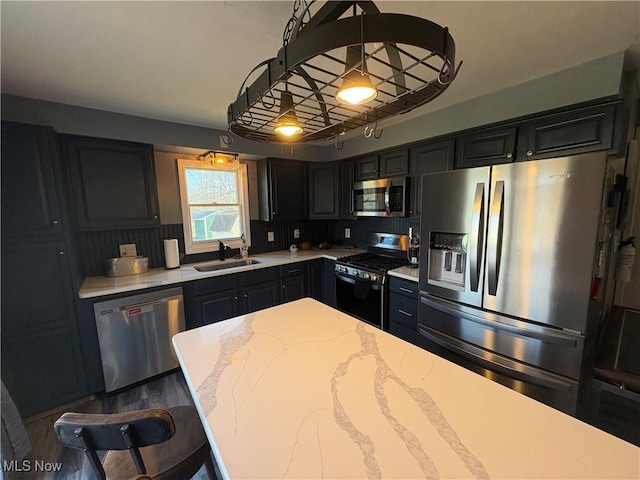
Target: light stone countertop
(406, 273)
(302, 390)
(100, 286)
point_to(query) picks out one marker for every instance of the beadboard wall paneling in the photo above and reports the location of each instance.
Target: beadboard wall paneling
(97, 246)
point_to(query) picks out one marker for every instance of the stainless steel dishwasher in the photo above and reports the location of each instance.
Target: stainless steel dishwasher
(135, 335)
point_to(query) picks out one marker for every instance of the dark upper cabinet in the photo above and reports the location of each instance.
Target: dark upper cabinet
(394, 163)
(366, 168)
(282, 187)
(430, 157)
(113, 183)
(42, 364)
(486, 147)
(580, 131)
(30, 203)
(347, 176)
(324, 190)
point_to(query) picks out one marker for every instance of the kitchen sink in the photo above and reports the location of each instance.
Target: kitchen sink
(222, 264)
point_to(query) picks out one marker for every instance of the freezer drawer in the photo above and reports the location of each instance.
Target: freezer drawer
(542, 347)
(554, 390)
(135, 336)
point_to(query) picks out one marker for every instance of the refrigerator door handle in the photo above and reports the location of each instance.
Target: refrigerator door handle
(476, 240)
(496, 363)
(494, 251)
(547, 336)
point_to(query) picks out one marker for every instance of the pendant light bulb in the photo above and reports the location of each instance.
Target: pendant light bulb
(356, 88)
(288, 124)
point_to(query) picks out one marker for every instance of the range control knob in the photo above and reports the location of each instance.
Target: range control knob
(356, 273)
(366, 275)
(373, 277)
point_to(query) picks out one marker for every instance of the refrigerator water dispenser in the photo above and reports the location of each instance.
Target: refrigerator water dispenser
(447, 260)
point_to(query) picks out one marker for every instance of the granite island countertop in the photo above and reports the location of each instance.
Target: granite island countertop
(99, 286)
(302, 390)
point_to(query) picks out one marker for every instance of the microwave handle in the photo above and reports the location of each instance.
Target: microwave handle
(387, 194)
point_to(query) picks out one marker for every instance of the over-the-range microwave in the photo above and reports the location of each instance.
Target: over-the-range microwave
(385, 197)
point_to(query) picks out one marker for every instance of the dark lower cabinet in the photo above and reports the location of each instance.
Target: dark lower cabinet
(316, 279)
(42, 364)
(329, 282)
(293, 281)
(259, 296)
(293, 288)
(218, 306)
(403, 309)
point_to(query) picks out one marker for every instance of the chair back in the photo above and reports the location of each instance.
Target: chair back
(116, 431)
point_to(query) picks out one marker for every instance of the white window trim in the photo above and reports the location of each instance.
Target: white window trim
(192, 247)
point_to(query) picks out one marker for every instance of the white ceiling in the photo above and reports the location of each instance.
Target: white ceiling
(184, 61)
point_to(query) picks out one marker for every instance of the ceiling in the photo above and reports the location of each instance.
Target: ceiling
(185, 61)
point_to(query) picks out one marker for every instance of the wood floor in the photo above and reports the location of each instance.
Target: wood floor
(167, 391)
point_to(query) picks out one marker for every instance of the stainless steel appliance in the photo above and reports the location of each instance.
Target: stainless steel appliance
(386, 197)
(361, 279)
(135, 335)
(507, 279)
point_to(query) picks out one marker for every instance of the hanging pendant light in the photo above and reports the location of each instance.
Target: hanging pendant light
(288, 124)
(357, 88)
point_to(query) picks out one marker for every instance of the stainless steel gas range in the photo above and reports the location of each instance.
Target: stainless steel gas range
(362, 279)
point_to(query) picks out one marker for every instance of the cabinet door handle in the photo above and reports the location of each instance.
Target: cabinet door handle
(56, 222)
(294, 270)
(235, 298)
(283, 287)
(529, 153)
(246, 296)
(402, 289)
(405, 313)
(60, 252)
(155, 216)
(509, 155)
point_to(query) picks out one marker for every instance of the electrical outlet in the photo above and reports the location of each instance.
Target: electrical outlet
(347, 233)
(128, 249)
(296, 233)
(270, 237)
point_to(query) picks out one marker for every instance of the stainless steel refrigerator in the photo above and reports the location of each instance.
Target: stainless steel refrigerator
(516, 264)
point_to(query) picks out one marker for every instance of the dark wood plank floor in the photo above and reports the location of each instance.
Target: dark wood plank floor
(167, 391)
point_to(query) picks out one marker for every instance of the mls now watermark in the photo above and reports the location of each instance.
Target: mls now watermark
(31, 466)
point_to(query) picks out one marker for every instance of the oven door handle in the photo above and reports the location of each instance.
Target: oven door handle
(346, 279)
(496, 363)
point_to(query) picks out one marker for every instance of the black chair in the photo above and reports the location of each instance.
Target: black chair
(163, 444)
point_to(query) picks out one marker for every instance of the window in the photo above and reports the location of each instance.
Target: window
(214, 205)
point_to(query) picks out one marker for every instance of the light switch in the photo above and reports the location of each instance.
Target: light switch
(270, 237)
(296, 233)
(347, 233)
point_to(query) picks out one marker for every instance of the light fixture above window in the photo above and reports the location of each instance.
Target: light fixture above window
(392, 63)
(228, 161)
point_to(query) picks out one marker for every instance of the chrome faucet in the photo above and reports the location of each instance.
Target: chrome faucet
(221, 248)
